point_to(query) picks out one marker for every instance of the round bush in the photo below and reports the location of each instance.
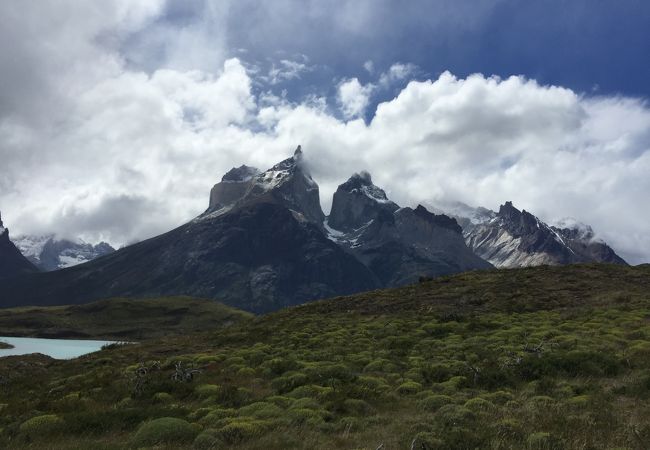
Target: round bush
(240, 430)
(261, 410)
(207, 390)
(41, 426)
(434, 402)
(166, 430)
(479, 404)
(162, 397)
(409, 387)
(208, 440)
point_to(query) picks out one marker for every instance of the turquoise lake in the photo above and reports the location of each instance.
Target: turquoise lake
(56, 348)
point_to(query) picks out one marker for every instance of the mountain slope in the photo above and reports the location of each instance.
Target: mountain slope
(260, 249)
(399, 245)
(12, 262)
(229, 257)
(513, 238)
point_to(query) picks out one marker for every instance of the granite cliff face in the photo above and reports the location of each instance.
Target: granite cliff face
(12, 262)
(399, 245)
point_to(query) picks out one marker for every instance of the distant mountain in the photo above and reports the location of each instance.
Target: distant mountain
(12, 262)
(49, 253)
(259, 247)
(398, 244)
(264, 243)
(514, 238)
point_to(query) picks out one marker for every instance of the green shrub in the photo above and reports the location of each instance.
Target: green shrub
(303, 416)
(498, 397)
(41, 426)
(541, 441)
(166, 430)
(508, 430)
(454, 415)
(162, 397)
(369, 387)
(240, 430)
(289, 381)
(355, 406)
(433, 403)
(261, 410)
(428, 441)
(479, 404)
(209, 439)
(409, 387)
(216, 415)
(207, 390)
(246, 372)
(313, 391)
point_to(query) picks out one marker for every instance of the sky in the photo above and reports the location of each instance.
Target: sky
(117, 117)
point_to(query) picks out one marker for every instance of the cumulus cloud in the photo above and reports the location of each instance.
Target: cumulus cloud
(96, 147)
(353, 97)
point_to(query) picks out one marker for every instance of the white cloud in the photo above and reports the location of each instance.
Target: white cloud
(396, 72)
(353, 97)
(286, 70)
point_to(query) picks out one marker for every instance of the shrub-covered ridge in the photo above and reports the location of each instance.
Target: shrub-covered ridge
(545, 358)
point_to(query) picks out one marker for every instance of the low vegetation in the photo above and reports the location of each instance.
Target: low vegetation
(121, 319)
(5, 345)
(543, 358)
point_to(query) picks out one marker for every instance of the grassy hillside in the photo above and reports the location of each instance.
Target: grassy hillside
(120, 318)
(541, 358)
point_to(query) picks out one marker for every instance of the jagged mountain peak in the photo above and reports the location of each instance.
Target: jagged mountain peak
(358, 201)
(287, 182)
(240, 174)
(514, 238)
(574, 228)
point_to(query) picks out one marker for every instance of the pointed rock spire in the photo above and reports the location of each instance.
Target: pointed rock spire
(358, 201)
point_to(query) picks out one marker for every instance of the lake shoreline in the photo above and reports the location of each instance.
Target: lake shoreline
(54, 348)
(5, 346)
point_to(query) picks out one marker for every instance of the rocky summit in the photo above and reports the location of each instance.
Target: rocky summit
(399, 245)
(513, 238)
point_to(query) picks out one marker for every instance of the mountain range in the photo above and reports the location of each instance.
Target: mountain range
(264, 243)
(48, 253)
(512, 238)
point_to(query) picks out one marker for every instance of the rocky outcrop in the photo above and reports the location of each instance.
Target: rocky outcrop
(232, 188)
(514, 238)
(358, 201)
(399, 245)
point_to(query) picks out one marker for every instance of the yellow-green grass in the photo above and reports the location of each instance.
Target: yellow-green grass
(544, 358)
(120, 318)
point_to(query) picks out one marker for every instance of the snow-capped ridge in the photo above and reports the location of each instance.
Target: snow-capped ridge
(49, 252)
